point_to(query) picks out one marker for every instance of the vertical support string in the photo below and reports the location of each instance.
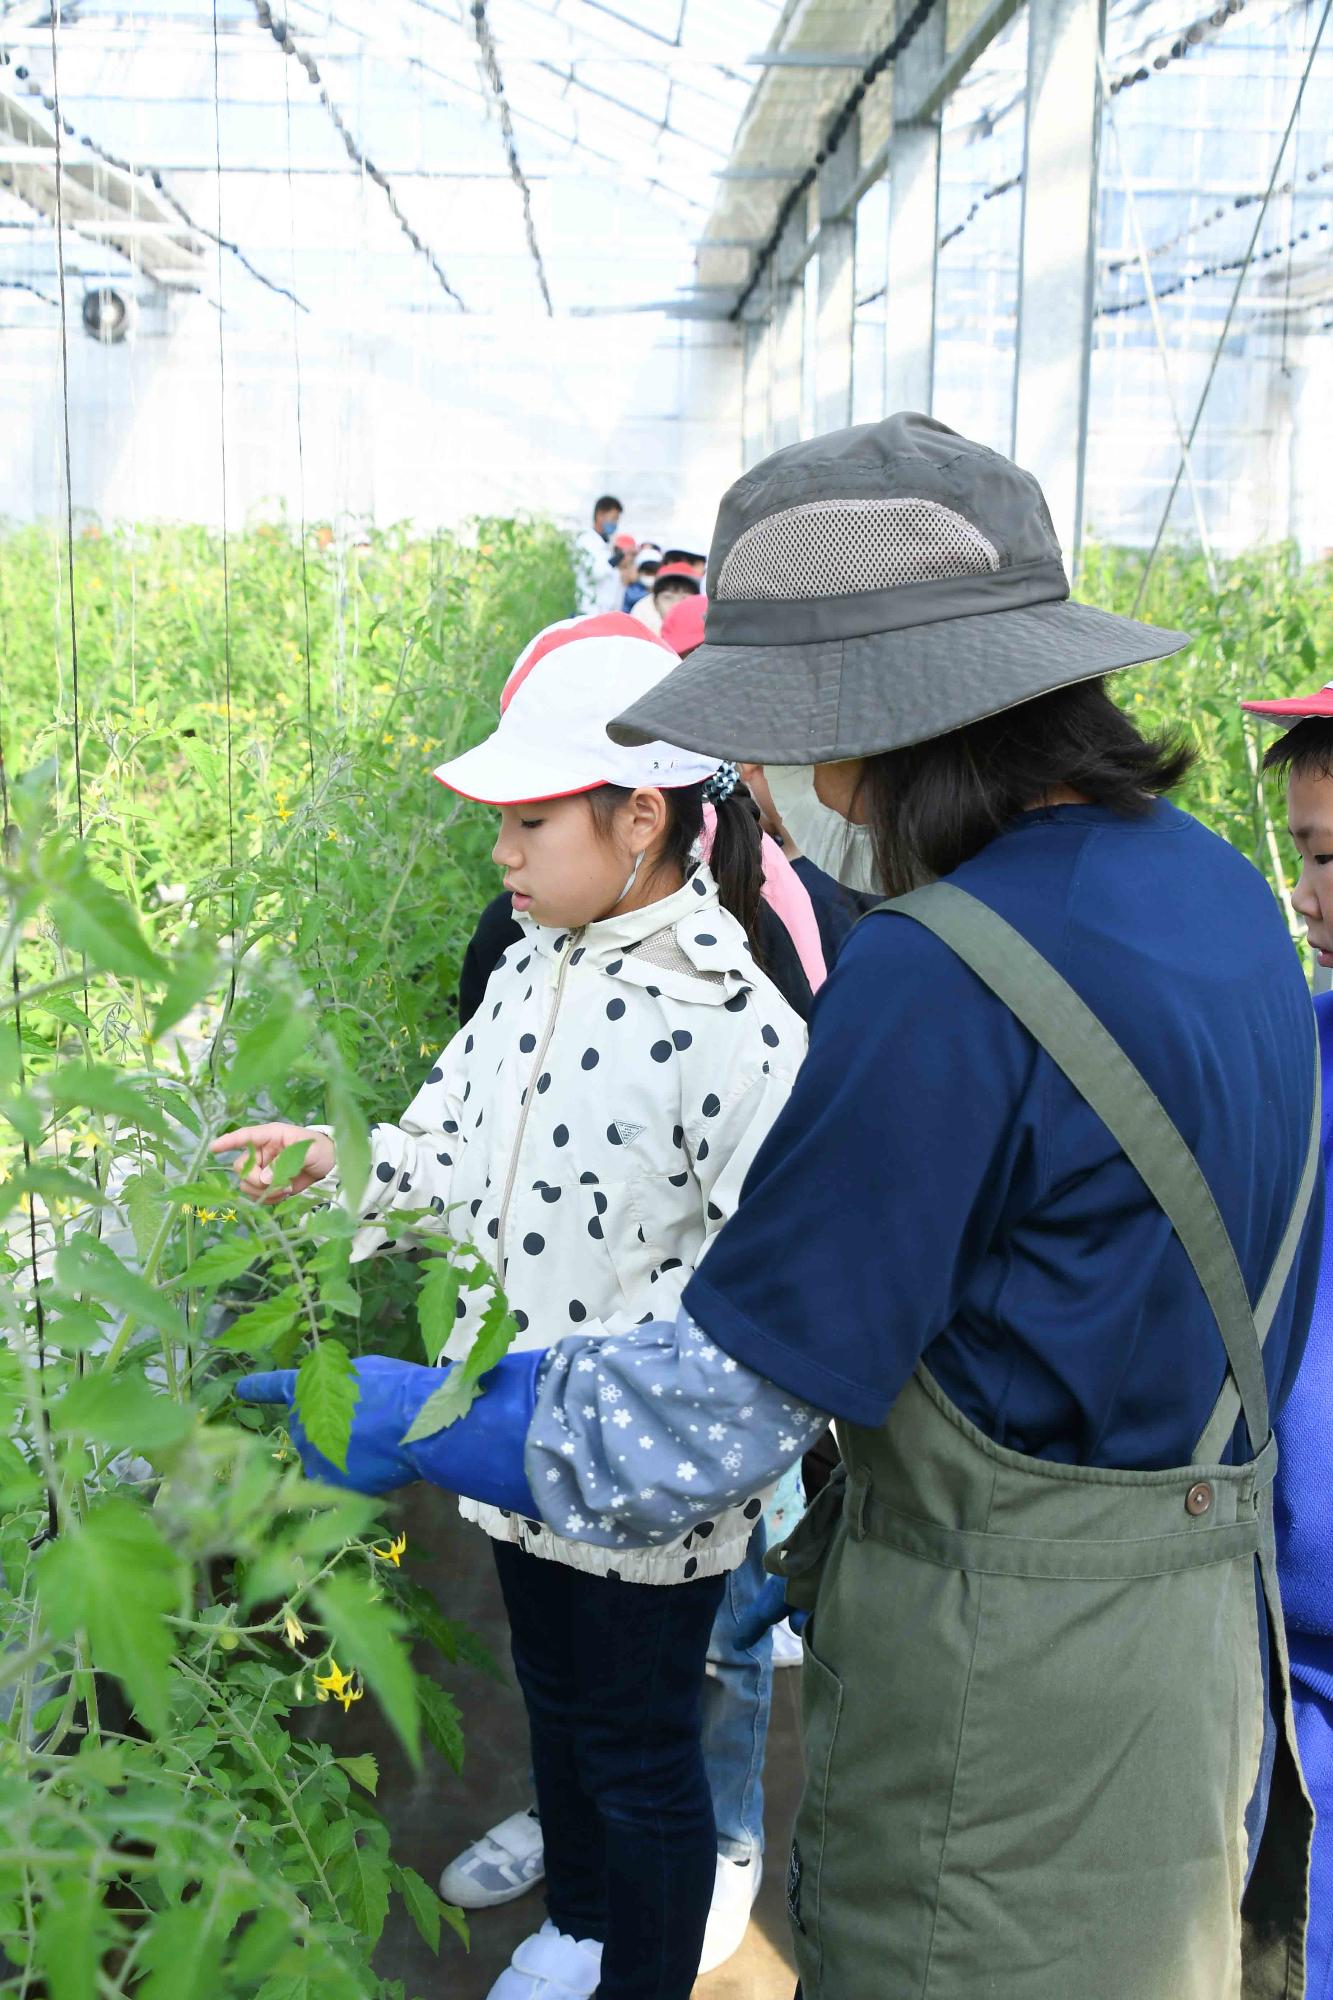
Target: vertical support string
(300, 471)
(226, 555)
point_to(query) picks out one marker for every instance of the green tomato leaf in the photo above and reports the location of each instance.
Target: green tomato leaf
(351, 1141)
(268, 1049)
(112, 1576)
(443, 1724)
(143, 1201)
(191, 977)
(228, 1259)
(86, 1265)
(425, 1907)
(72, 1931)
(455, 1398)
(367, 1633)
(454, 1641)
(437, 1301)
(90, 1087)
(359, 1878)
(262, 1325)
(182, 1954)
(122, 1412)
(326, 1399)
(363, 1769)
(92, 919)
(290, 1161)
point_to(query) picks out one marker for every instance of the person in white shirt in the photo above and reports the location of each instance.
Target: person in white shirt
(598, 562)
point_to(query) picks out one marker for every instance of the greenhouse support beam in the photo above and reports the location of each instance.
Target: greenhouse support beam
(914, 226)
(835, 297)
(788, 329)
(756, 384)
(1057, 254)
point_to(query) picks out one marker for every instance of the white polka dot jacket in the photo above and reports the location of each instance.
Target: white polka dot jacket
(588, 1132)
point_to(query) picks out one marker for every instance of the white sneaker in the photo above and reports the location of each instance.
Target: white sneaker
(550, 1966)
(503, 1864)
(734, 1889)
(788, 1649)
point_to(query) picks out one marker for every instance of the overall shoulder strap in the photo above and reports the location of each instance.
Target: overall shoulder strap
(1062, 1024)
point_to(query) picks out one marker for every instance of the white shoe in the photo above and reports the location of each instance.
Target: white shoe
(503, 1864)
(788, 1648)
(734, 1889)
(550, 1966)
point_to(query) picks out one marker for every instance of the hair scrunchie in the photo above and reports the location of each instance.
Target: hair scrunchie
(719, 788)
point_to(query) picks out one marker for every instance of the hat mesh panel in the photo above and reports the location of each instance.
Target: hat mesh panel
(829, 548)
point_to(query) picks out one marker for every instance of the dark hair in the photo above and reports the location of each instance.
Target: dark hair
(933, 805)
(736, 860)
(606, 503)
(689, 584)
(1305, 751)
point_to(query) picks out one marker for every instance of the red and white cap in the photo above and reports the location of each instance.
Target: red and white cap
(566, 686)
(1297, 706)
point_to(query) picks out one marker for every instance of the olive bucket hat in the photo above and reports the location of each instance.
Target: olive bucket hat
(877, 587)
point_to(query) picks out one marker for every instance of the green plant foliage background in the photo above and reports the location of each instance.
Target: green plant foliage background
(264, 916)
(246, 897)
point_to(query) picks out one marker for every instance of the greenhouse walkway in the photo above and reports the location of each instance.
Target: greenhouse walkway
(434, 1814)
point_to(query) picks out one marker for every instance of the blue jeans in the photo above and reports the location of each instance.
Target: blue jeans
(737, 1697)
(612, 1674)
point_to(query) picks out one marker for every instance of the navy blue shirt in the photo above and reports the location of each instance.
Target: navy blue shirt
(936, 1188)
(836, 908)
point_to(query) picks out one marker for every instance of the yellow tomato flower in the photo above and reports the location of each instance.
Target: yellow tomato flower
(341, 1686)
(292, 1630)
(332, 834)
(284, 812)
(394, 1553)
(207, 1214)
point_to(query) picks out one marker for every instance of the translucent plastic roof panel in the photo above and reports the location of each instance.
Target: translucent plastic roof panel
(619, 121)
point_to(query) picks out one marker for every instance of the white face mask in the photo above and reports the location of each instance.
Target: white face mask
(844, 851)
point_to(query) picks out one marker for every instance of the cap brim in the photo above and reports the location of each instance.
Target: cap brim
(835, 698)
(1295, 707)
(493, 776)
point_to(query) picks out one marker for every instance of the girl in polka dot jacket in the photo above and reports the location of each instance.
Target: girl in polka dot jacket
(589, 1132)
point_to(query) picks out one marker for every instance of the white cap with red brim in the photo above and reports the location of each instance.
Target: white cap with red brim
(551, 742)
(1296, 707)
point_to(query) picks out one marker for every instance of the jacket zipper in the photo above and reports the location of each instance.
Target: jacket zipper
(538, 1059)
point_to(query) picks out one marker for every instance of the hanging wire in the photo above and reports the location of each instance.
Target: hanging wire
(300, 468)
(1220, 214)
(22, 285)
(873, 70)
(1218, 270)
(486, 43)
(282, 35)
(1231, 309)
(85, 139)
(226, 553)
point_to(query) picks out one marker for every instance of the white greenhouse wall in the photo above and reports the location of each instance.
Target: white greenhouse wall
(428, 419)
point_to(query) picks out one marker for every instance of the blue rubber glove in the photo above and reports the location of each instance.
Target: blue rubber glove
(479, 1456)
(768, 1607)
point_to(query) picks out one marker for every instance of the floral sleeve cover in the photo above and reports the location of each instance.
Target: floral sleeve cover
(637, 1430)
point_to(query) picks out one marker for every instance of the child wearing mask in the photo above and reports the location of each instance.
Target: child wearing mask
(589, 1132)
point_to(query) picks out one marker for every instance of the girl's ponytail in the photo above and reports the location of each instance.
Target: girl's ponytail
(736, 860)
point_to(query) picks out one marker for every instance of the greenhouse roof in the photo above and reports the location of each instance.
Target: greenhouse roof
(494, 157)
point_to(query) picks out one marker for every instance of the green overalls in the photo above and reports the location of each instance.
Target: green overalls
(1033, 1694)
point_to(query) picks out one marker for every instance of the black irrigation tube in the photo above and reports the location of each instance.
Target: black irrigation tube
(282, 35)
(833, 138)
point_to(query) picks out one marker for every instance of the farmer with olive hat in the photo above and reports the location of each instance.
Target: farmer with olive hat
(1032, 1227)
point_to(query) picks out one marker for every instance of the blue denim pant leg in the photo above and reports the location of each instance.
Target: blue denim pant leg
(737, 1697)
